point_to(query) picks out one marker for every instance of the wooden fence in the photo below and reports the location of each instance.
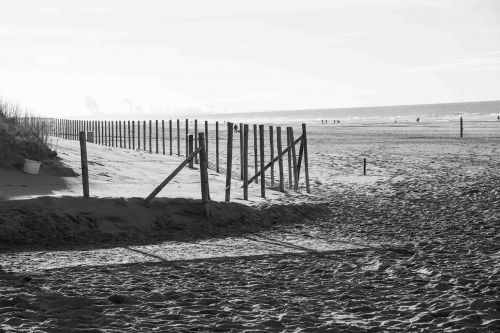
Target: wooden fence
(271, 160)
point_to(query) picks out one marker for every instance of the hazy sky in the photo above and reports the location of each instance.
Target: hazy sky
(69, 58)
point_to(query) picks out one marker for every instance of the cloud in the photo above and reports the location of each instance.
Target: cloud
(486, 61)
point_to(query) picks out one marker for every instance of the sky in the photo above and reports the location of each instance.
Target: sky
(108, 57)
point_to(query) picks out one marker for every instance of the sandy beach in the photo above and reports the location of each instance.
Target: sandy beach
(413, 245)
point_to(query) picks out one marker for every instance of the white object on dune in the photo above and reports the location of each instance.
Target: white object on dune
(31, 167)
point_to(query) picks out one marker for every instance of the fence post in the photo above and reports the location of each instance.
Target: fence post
(178, 138)
(206, 139)
(187, 137)
(205, 191)
(139, 134)
(85, 168)
(150, 136)
(131, 138)
(163, 135)
(256, 163)
(294, 159)
(280, 158)
(217, 146)
(170, 134)
(120, 124)
(306, 158)
(461, 127)
(263, 174)
(156, 125)
(245, 162)
(113, 134)
(196, 139)
(144, 135)
(271, 143)
(364, 166)
(229, 163)
(241, 149)
(289, 155)
(191, 150)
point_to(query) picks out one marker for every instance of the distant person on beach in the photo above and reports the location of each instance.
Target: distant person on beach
(418, 119)
(235, 128)
(322, 121)
(498, 117)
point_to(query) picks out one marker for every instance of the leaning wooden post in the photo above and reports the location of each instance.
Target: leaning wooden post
(170, 135)
(271, 146)
(245, 162)
(364, 166)
(229, 163)
(205, 191)
(178, 137)
(280, 158)
(306, 158)
(85, 167)
(263, 174)
(255, 154)
(196, 139)
(191, 150)
(139, 134)
(163, 135)
(461, 127)
(187, 137)
(241, 149)
(217, 146)
(289, 155)
(156, 124)
(294, 159)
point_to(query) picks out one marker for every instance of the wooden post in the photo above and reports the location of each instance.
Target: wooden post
(241, 149)
(109, 132)
(170, 134)
(187, 137)
(196, 139)
(131, 138)
(139, 134)
(364, 166)
(163, 135)
(271, 146)
(113, 125)
(205, 192)
(256, 162)
(301, 153)
(229, 163)
(263, 174)
(294, 160)
(120, 124)
(85, 167)
(156, 123)
(151, 136)
(306, 158)
(461, 127)
(105, 133)
(144, 135)
(206, 140)
(245, 162)
(178, 138)
(191, 150)
(289, 155)
(217, 146)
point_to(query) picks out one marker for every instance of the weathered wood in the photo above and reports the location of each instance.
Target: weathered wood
(163, 135)
(170, 177)
(138, 134)
(241, 149)
(205, 191)
(268, 165)
(190, 150)
(178, 137)
(217, 146)
(156, 127)
(294, 160)
(170, 135)
(150, 136)
(206, 140)
(461, 127)
(245, 162)
(196, 139)
(280, 159)
(120, 133)
(271, 146)
(229, 162)
(289, 155)
(301, 153)
(187, 137)
(85, 167)
(263, 173)
(255, 153)
(364, 166)
(144, 135)
(306, 158)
